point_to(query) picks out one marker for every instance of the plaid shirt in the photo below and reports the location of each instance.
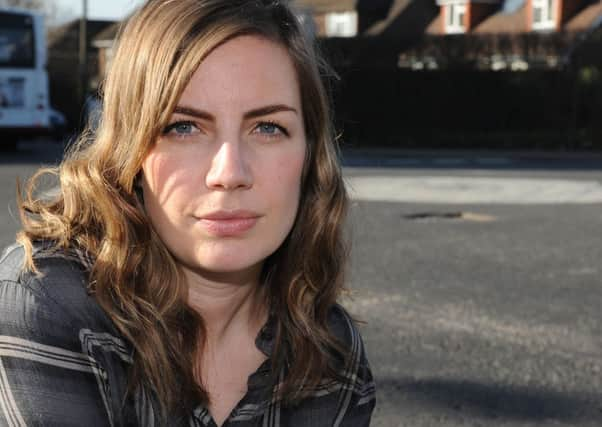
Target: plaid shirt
(63, 362)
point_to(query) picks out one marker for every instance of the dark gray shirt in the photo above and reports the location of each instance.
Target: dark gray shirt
(63, 362)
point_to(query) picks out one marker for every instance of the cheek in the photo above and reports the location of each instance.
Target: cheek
(288, 179)
(164, 177)
(155, 170)
(289, 171)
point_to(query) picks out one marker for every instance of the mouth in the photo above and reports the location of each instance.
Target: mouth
(228, 223)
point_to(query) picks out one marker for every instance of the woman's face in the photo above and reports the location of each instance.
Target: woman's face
(221, 185)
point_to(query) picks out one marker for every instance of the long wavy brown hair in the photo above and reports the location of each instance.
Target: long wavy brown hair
(133, 276)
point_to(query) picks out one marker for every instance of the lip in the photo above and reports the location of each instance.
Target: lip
(228, 223)
(229, 215)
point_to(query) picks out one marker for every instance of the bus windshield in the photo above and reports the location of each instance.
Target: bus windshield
(16, 41)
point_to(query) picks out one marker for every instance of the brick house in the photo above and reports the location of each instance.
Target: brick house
(63, 65)
(321, 18)
(515, 16)
(383, 18)
(329, 18)
(402, 19)
(105, 43)
(504, 34)
(460, 16)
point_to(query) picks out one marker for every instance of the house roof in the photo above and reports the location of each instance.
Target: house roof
(325, 6)
(394, 9)
(374, 5)
(436, 26)
(587, 18)
(66, 37)
(406, 18)
(109, 33)
(504, 22)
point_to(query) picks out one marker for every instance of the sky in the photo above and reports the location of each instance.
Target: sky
(512, 5)
(98, 9)
(117, 9)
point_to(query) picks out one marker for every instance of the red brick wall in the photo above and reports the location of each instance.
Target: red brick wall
(443, 14)
(558, 12)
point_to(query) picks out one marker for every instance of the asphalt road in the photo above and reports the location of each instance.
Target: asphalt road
(485, 312)
(21, 164)
(481, 323)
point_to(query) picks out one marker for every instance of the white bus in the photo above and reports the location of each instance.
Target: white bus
(24, 98)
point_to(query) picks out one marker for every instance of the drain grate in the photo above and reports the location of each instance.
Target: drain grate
(449, 216)
(432, 215)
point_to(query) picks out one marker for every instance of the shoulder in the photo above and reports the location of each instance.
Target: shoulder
(49, 261)
(355, 369)
(357, 395)
(56, 296)
(51, 326)
(52, 309)
(342, 326)
(347, 400)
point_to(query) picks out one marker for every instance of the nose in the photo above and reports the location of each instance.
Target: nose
(229, 169)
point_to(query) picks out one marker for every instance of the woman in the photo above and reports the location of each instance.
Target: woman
(187, 271)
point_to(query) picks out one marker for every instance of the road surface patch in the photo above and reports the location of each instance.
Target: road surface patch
(473, 190)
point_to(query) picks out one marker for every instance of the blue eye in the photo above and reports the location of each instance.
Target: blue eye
(180, 129)
(183, 128)
(271, 129)
(268, 128)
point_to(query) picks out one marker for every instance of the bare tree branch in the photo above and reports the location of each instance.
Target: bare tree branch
(55, 15)
(24, 4)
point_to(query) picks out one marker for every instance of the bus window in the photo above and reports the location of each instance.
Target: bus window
(12, 92)
(16, 41)
(24, 98)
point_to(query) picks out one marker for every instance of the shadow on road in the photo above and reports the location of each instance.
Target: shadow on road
(477, 160)
(32, 153)
(511, 403)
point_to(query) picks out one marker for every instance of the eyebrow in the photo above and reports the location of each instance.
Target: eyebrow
(258, 112)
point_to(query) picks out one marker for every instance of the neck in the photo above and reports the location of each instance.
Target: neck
(229, 306)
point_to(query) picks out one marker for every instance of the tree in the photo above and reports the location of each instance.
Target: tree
(55, 15)
(24, 4)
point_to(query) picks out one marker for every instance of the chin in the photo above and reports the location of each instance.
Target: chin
(231, 261)
(208, 258)
(227, 266)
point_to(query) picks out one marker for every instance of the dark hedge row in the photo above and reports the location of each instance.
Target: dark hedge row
(534, 109)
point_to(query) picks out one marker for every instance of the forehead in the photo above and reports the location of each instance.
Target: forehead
(245, 72)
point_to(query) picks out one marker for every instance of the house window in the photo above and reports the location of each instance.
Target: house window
(341, 24)
(455, 18)
(544, 14)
